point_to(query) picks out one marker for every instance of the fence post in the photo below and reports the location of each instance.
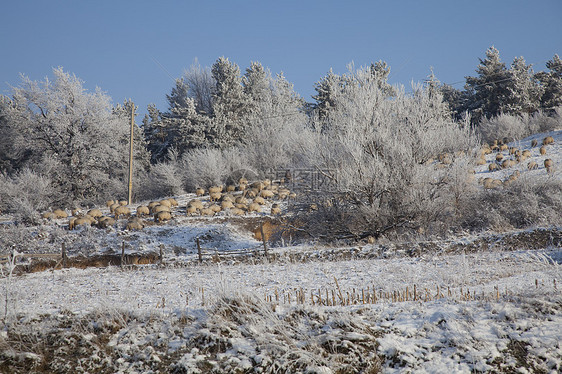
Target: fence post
(123, 254)
(161, 253)
(199, 250)
(263, 239)
(63, 255)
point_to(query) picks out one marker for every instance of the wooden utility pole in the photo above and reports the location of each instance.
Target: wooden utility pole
(130, 190)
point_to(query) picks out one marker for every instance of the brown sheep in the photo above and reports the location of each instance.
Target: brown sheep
(490, 183)
(258, 186)
(499, 157)
(166, 202)
(123, 202)
(227, 198)
(480, 161)
(504, 147)
(548, 140)
(121, 211)
(513, 150)
(59, 213)
(48, 215)
(508, 163)
(109, 203)
(162, 216)
(173, 201)
(96, 213)
(241, 200)
(242, 187)
(84, 221)
(143, 211)
(492, 167)
(71, 223)
(251, 193)
(526, 153)
(215, 208)
(549, 165)
(135, 224)
(242, 180)
(532, 165)
(534, 143)
(230, 188)
(542, 150)
(243, 207)
(254, 207)
(200, 191)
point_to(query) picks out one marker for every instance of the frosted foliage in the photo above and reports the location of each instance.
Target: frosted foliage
(379, 146)
(74, 130)
(25, 193)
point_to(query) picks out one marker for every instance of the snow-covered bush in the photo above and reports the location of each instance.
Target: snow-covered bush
(518, 126)
(381, 148)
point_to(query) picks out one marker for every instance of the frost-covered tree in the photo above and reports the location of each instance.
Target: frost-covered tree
(524, 90)
(552, 84)
(71, 136)
(327, 90)
(230, 105)
(489, 91)
(377, 150)
(200, 84)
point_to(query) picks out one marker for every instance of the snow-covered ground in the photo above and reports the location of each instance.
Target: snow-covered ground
(479, 310)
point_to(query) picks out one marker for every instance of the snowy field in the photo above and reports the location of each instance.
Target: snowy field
(484, 310)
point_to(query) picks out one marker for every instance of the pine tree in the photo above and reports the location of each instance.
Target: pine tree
(488, 92)
(230, 105)
(327, 90)
(524, 89)
(552, 83)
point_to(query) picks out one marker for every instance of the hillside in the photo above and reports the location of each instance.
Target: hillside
(477, 303)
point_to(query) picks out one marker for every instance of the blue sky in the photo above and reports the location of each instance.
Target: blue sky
(134, 49)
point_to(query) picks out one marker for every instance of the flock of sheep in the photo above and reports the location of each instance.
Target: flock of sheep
(236, 200)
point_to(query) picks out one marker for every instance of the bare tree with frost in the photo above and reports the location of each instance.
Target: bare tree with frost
(72, 136)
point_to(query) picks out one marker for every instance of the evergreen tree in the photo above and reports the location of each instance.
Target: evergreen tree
(380, 72)
(488, 92)
(230, 105)
(552, 83)
(327, 90)
(524, 89)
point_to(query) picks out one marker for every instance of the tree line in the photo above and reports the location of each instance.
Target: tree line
(61, 145)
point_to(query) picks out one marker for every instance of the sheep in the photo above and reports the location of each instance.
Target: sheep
(96, 213)
(230, 188)
(492, 167)
(199, 191)
(227, 204)
(526, 153)
(499, 157)
(513, 150)
(549, 165)
(534, 143)
(242, 180)
(243, 207)
(160, 208)
(166, 202)
(123, 202)
(254, 207)
(113, 207)
(81, 221)
(135, 224)
(214, 189)
(508, 163)
(227, 198)
(242, 187)
(238, 212)
(59, 213)
(490, 183)
(266, 183)
(480, 161)
(542, 150)
(173, 201)
(190, 210)
(105, 222)
(162, 216)
(48, 215)
(241, 200)
(258, 186)
(532, 165)
(215, 196)
(207, 212)
(196, 203)
(504, 147)
(109, 203)
(251, 193)
(215, 208)
(121, 211)
(548, 140)
(275, 209)
(267, 194)
(260, 200)
(71, 223)
(142, 211)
